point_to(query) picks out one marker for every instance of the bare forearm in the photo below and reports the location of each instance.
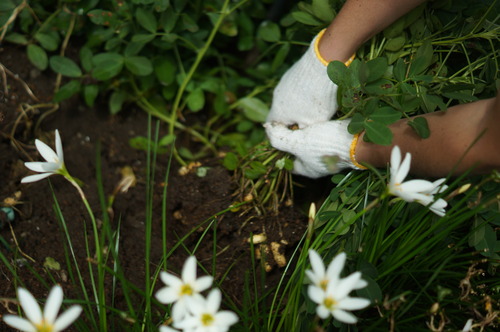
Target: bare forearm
(465, 136)
(358, 21)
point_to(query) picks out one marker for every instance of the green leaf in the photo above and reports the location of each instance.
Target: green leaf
(146, 19)
(421, 127)
(269, 31)
(37, 56)
(48, 42)
(230, 161)
(379, 87)
(116, 101)
(376, 68)
(256, 170)
(395, 29)
(107, 65)
(67, 90)
(64, 66)
(254, 109)
(139, 65)
(86, 58)
(357, 124)
(166, 140)
(102, 17)
(487, 245)
(16, 38)
(322, 10)
(90, 93)
(337, 71)
(279, 59)
(164, 70)
(142, 38)
(378, 133)
(305, 18)
(423, 59)
(196, 100)
(385, 115)
(395, 44)
(464, 95)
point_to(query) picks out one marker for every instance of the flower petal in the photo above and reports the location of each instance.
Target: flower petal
(345, 286)
(36, 177)
(317, 265)
(54, 301)
(214, 299)
(170, 279)
(344, 316)
(203, 283)
(353, 303)
(395, 160)
(165, 328)
(322, 312)
(67, 318)
(419, 186)
(404, 168)
(468, 326)
(179, 310)
(29, 305)
(189, 270)
(167, 295)
(336, 266)
(316, 294)
(40, 167)
(226, 318)
(19, 323)
(46, 152)
(59, 148)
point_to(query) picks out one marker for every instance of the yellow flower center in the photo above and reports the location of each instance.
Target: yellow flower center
(44, 327)
(323, 284)
(207, 319)
(186, 289)
(329, 303)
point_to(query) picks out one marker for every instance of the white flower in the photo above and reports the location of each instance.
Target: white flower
(54, 162)
(331, 292)
(420, 191)
(204, 315)
(320, 276)
(181, 290)
(335, 299)
(46, 321)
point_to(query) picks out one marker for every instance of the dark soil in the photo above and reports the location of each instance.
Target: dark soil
(36, 232)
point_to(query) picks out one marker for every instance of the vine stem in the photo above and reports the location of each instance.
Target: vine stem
(201, 53)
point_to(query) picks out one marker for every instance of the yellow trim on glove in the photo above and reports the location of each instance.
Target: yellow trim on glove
(318, 55)
(352, 152)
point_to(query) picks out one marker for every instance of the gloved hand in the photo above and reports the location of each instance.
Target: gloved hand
(305, 94)
(312, 144)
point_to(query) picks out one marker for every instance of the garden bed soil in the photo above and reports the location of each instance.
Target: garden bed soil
(36, 234)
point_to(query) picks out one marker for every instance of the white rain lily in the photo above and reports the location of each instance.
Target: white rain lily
(46, 321)
(331, 292)
(320, 276)
(421, 191)
(335, 299)
(204, 315)
(181, 291)
(54, 161)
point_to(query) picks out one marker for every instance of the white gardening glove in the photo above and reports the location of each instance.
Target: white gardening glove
(312, 144)
(305, 94)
